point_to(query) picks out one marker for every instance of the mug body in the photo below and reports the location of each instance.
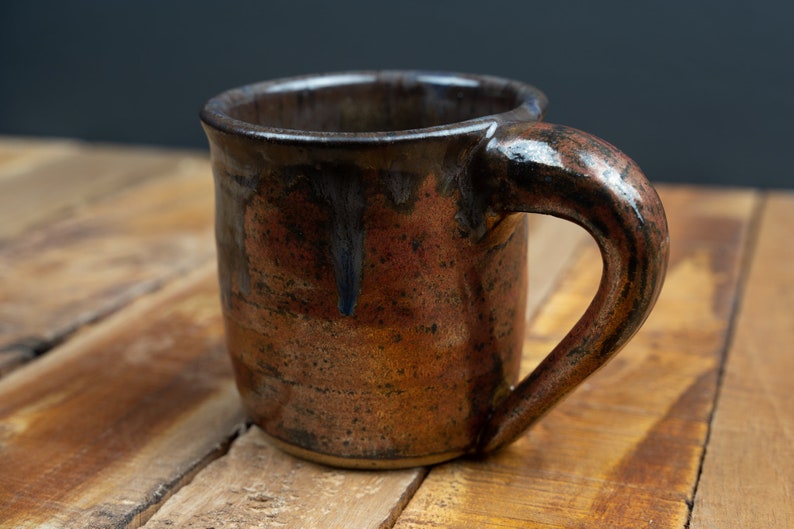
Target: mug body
(374, 305)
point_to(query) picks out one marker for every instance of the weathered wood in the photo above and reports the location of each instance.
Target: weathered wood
(553, 244)
(255, 485)
(74, 271)
(18, 155)
(50, 190)
(101, 431)
(748, 471)
(624, 450)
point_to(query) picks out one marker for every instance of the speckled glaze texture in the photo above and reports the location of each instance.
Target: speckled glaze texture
(372, 259)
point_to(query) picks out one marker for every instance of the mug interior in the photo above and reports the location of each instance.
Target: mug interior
(373, 102)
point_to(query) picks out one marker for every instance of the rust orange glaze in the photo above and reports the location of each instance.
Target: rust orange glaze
(374, 283)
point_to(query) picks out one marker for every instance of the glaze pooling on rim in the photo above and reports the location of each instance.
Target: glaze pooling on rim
(372, 106)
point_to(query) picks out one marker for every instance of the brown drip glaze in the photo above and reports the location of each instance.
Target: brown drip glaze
(372, 258)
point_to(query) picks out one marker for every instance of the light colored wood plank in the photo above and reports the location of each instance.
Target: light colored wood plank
(553, 243)
(254, 485)
(61, 276)
(18, 155)
(51, 190)
(101, 431)
(748, 471)
(624, 449)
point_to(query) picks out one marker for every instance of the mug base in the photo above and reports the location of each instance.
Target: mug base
(361, 463)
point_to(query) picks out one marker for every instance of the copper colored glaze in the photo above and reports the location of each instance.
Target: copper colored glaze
(372, 259)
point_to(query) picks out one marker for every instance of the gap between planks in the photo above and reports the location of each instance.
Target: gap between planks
(624, 450)
(747, 477)
(111, 403)
(83, 241)
(752, 240)
(81, 268)
(100, 431)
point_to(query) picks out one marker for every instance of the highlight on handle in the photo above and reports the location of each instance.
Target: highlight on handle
(536, 167)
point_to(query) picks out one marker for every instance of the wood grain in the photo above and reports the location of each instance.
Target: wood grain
(625, 449)
(54, 185)
(748, 471)
(18, 155)
(65, 274)
(102, 430)
(255, 485)
(131, 415)
(553, 244)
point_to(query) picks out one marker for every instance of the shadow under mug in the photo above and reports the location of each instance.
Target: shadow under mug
(372, 259)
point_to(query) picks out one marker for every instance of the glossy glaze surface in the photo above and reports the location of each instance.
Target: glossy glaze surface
(372, 258)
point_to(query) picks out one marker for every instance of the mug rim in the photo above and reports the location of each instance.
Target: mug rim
(216, 111)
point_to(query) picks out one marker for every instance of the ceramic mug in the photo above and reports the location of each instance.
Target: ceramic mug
(372, 248)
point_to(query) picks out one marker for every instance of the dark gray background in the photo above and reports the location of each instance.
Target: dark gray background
(694, 91)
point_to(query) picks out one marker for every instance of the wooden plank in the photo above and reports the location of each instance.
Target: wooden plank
(553, 244)
(624, 450)
(101, 431)
(66, 274)
(18, 155)
(256, 485)
(748, 471)
(49, 191)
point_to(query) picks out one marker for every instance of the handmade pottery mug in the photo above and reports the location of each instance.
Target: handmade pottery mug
(372, 259)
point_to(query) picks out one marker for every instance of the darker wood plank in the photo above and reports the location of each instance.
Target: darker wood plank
(65, 274)
(101, 431)
(624, 450)
(748, 470)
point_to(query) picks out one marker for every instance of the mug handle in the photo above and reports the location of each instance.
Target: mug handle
(535, 167)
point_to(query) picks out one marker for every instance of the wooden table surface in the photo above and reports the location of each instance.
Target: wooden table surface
(118, 408)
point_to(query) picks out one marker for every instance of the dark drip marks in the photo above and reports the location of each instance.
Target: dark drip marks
(342, 189)
(343, 192)
(233, 193)
(400, 187)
